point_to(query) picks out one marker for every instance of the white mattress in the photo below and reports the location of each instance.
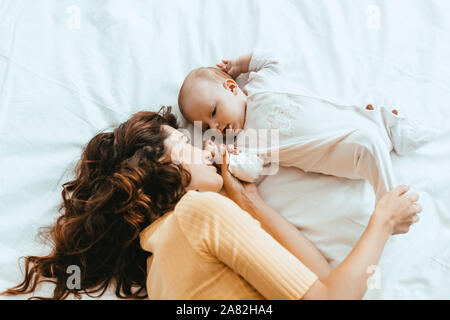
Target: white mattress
(63, 79)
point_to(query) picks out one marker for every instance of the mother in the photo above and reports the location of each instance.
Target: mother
(146, 219)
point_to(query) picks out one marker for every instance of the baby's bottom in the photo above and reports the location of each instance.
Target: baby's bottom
(362, 154)
(358, 153)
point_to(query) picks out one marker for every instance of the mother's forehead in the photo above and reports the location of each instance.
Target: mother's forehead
(171, 130)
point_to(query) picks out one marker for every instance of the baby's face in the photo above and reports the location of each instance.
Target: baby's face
(218, 105)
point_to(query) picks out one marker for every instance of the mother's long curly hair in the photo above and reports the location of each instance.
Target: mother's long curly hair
(120, 188)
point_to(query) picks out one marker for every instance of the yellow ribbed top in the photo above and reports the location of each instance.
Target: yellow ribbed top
(209, 248)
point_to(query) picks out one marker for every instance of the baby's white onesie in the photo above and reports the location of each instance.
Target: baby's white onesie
(319, 135)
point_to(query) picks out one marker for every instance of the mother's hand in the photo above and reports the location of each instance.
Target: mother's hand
(398, 210)
(243, 193)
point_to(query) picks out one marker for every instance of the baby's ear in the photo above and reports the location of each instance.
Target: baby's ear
(231, 85)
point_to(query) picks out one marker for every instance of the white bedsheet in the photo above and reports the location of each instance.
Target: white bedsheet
(65, 77)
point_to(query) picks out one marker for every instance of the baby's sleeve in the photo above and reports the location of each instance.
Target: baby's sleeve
(217, 227)
(264, 67)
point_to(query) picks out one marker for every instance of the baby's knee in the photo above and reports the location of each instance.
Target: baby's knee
(368, 140)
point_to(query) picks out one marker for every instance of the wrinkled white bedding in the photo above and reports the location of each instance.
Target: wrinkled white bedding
(69, 69)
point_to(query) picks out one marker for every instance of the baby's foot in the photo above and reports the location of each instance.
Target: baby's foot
(406, 134)
(245, 166)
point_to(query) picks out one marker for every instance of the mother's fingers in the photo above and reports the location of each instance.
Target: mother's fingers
(415, 208)
(224, 166)
(400, 189)
(225, 156)
(407, 223)
(403, 228)
(413, 196)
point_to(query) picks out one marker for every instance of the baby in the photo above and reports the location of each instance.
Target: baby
(315, 134)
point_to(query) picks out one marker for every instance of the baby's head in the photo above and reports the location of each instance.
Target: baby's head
(211, 96)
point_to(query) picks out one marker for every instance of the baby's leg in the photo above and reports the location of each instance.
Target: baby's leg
(405, 134)
(363, 153)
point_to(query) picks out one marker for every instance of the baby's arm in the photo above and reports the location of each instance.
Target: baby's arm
(263, 66)
(264, 63)
(243, 62)
(258, 60)
(236, 67)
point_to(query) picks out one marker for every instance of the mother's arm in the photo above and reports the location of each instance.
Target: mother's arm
(286, 234)
(247, 197)
(393, 214)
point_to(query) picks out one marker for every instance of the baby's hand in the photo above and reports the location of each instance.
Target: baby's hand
(232, 149)
(231, 67)
(211, 147)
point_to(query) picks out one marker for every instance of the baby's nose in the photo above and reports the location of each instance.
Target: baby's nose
(221, 128)
(213, 125)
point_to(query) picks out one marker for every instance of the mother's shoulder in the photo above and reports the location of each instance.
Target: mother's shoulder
(203, 196)
(207, 203)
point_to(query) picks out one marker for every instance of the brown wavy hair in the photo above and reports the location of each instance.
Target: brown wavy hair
(120, 188)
